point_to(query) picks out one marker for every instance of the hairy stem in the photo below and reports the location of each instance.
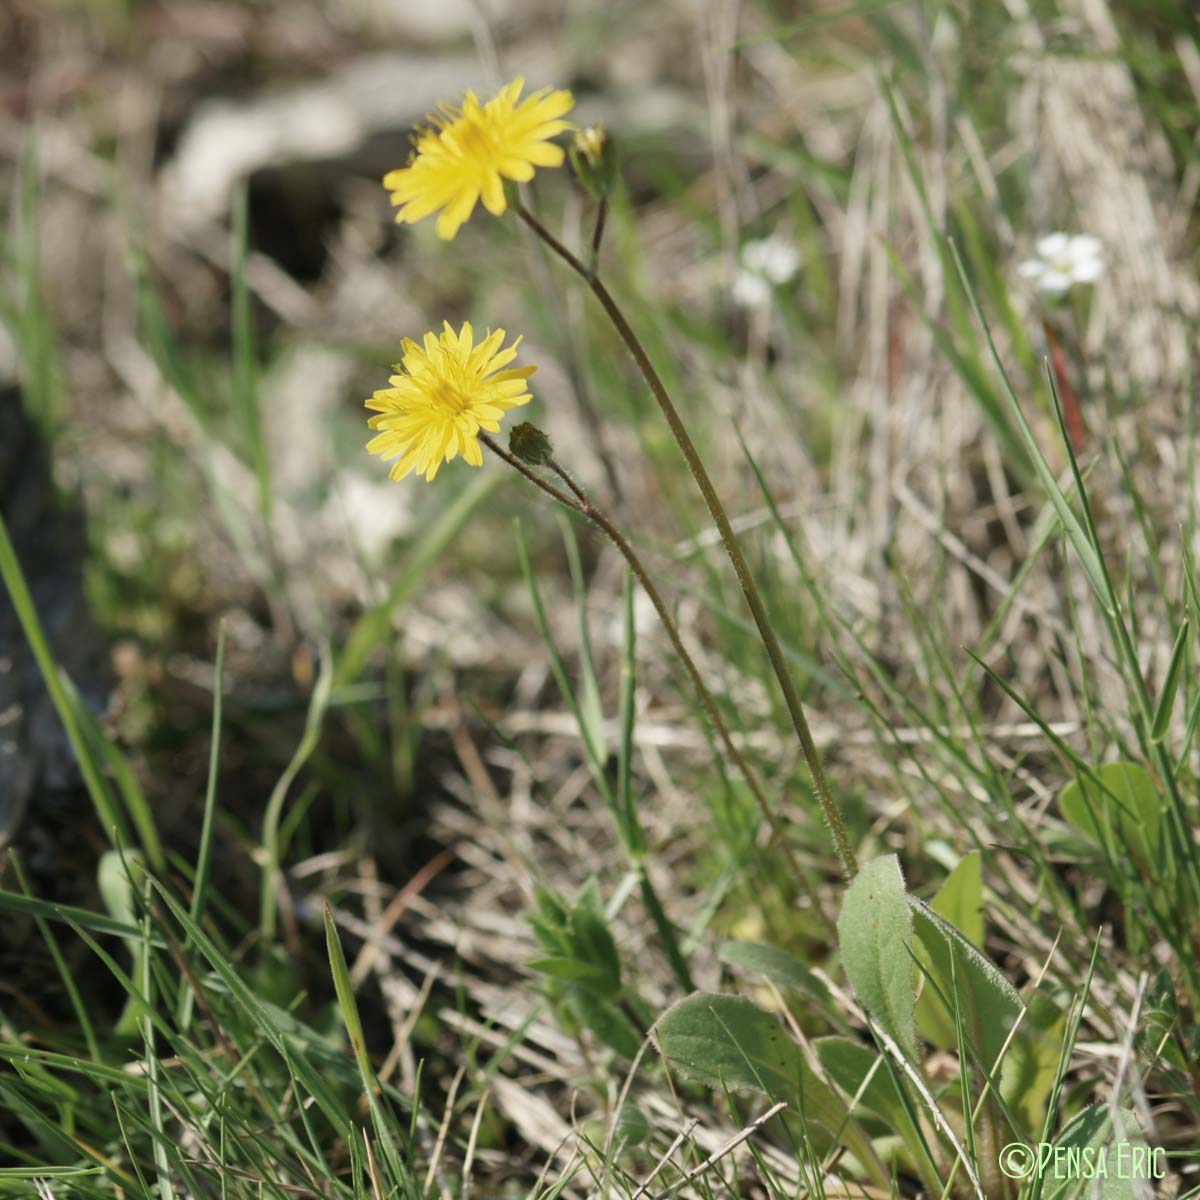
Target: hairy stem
(733, 549)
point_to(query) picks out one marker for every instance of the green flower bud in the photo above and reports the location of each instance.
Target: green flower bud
(594, 160)
(528, 443)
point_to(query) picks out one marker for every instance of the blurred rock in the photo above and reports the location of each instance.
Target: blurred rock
(301, 395)
(227, 141)
(446, 20)
(38, 774)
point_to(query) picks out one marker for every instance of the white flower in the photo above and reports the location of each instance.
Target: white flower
(1064, 260)
(750, 290)
(765, 263)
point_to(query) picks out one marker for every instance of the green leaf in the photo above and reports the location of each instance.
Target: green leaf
(26, 610)
(781, 968)
(84, 918)
(569, 970)
(987, 1003)
(848, 1063)
(1080, 541)
(1031, 1064)
(724, 1041)
(606, 1020)
(631, 1127)
(875, 933)
(1091, 1136)
(271, 1022)
(1159, 1039)
(591, 707)
(960, 898)
(344, 989)
(117, 875)
(1120, 809)
(960, 901)
(1166, 699)
(592, 941)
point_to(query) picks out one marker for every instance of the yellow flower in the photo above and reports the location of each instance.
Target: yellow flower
(470, 153)
(442, 395)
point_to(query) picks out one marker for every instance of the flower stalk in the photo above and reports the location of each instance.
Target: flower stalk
(754, 600)
(578, 501)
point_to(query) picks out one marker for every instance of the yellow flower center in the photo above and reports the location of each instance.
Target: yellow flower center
(477, 140)
(448, 400)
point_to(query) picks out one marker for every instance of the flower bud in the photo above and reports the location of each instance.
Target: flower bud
(528, 443)
(594, 160)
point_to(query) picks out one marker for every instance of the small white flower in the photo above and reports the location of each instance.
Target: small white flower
(765, 263)
(774, 256)
(1064, 260)
(750, 290)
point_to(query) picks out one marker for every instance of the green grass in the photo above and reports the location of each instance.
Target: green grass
(448, 888)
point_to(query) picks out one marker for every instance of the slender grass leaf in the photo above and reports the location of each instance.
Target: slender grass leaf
(1080, 542)
(1166, 699)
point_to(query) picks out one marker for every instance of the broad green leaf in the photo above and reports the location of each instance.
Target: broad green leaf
(592, 941)
(1095, 1159)
(987, 1003)
(1027, 1076)
(579, 947)
(848, 1063)
(632, 1128)
(1159, 1038)
(781, 968)
(1122, 810)
(875, 933)
(960, 898)
(960, 901)
(607, 1021)
(570, 970)
(725, 1042)
(116, 875)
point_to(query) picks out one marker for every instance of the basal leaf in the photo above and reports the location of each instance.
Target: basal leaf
(875, 933)
(726, 1042)
(1122, 810)
(959, 901)
(960, 898)
(781, 968)
(1094, 1158)
(848, 1063)
(1027, 1076)
(986, 1002)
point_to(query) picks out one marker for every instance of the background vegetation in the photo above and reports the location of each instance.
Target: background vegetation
(329, 799)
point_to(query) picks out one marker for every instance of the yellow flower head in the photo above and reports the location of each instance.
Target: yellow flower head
(442, 395)
(470, 152)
